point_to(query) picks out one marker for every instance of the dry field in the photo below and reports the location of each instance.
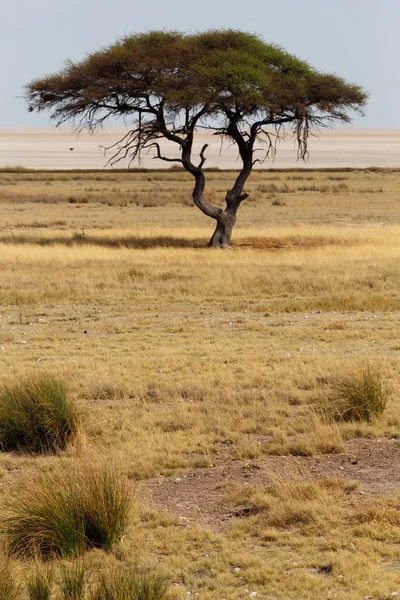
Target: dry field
(209, 376)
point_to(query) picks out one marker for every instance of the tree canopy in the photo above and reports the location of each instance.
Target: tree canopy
(166, 84)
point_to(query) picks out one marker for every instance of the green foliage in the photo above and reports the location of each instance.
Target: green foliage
(37, 415)
(63, 515)
(218, 71)
(124, 584)
(361, 396)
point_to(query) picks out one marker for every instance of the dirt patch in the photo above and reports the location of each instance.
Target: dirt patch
(293, 243)
(198, 496)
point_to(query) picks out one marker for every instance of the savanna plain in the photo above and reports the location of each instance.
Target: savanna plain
(248, 399)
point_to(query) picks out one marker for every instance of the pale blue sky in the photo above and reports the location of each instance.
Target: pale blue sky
(357, 39)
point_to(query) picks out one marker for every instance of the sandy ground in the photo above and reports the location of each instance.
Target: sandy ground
(55, 149)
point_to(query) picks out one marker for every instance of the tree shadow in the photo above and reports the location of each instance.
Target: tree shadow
(82, 239)
(271, 244)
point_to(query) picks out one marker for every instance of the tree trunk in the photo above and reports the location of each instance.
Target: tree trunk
(221, 237)
(226, 219)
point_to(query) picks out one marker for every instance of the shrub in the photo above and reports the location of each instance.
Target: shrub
(62, 515)
(37, 415)
(361, 396)
(124, 584)
(9, 584)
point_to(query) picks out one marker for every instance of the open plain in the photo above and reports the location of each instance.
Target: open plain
(207, 375)
(60, 148)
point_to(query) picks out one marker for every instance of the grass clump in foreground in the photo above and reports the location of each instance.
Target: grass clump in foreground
(125, 584)
(360, 396)
(38, 416)
(40, 585)
(73, 580)
(9, 583)
(121, 583)
(62, 515)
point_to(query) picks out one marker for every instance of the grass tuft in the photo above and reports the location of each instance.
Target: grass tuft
(64, 515)
(37, 415)
(9, 583)
(40, 585)
(124, 584)
(309, 506)
(73, 580)
(360, 396)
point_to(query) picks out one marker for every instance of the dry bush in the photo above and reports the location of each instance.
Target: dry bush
(37, 415)
(313, 188)
(358, 396)
(341, 187)
(274, 188)
(62, 515)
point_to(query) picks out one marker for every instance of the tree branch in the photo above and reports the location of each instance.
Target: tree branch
(159, 155)
(202, 156)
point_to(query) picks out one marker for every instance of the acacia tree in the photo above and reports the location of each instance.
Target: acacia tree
(170, 85)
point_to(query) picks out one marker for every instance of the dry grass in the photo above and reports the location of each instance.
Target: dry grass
(63, 514)
(36, 415)
(73, 582)
(312, 507)
(359, 396)
(95, 199)
(40, 584)
(10, 583)
(179, 355)
(319, 535)
(125, 584)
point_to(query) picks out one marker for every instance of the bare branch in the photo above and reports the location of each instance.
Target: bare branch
(159, 155)
(202, 156)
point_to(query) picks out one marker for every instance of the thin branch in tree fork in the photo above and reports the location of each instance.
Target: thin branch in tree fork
(202, 156)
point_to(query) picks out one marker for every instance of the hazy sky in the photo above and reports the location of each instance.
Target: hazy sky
(357, 39)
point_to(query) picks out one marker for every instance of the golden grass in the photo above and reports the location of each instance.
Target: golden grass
(178, 354)
(10, 584)
(64, 514)
(98, 199)
(36, 415)
(359, 396)
(318, 535)
(40, 584)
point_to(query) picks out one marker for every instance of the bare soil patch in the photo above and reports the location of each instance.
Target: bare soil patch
(292, 243)
(198, 496)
